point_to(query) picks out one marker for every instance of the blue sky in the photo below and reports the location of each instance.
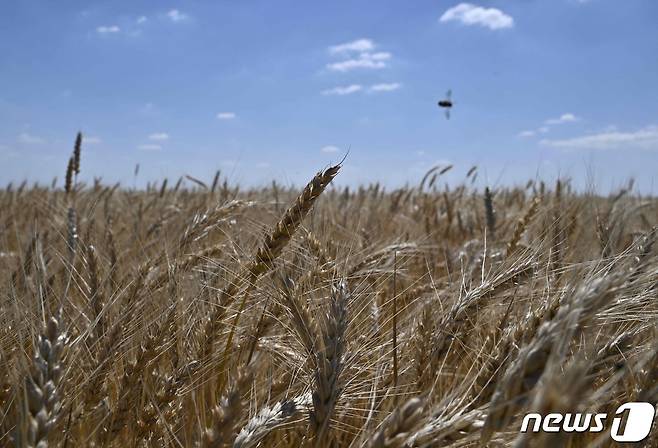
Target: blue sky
(269, 89)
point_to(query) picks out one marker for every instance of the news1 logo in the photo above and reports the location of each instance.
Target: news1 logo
(639, 420)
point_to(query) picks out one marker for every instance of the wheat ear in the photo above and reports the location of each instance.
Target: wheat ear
(290, 222)
(397, 427)
(490, 213)
(227, 415)
(264, 258)
(522, 225)
(329, 359)
(42, 384)
(269, 418)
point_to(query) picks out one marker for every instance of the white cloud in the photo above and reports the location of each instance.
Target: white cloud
(385, 87)
(364, 60)
(149, 147)
(359, 46)
(379, 56)
(645, 138)
(111, 29)
(330, 148)
(29, 139)
(142, 19)
(351, 64)
(159, 136)
(176, 16)
(469, 14)
(91, 140)
(564, 118)
(359, 54)
(226, 115)
(343, 90)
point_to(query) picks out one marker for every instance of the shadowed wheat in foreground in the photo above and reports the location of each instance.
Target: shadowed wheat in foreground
(424, 316)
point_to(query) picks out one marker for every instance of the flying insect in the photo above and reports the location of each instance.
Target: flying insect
(446, 103)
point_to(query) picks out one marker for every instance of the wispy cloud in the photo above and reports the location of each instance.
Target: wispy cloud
(358, 46)
(364, 60)
(360, 54)
(354, 88)
(29, 139)
(91, 140)
(108, 29)
(226, 115)
(142, 19)
(645, 138)
(159, 136)
(177, 16)
(149, 147)
(385, 87)
(330, 149)
(343, 90)
(469, 14)
(564, 118)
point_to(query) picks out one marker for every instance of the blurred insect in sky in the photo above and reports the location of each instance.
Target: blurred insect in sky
(447, 103)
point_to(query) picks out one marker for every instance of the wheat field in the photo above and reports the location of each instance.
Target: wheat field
(199, 313)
